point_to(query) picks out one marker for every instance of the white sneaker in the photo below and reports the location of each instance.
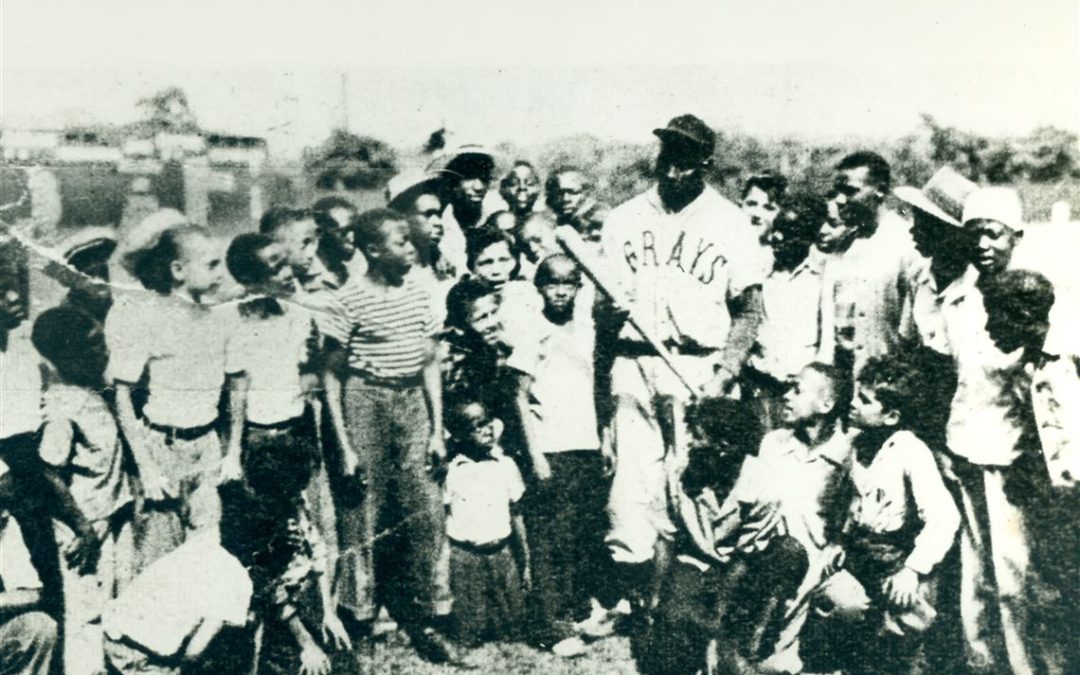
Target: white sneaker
(569, 648)
(601, 622)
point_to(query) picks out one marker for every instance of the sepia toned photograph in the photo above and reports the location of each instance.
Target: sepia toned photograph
(693, 338)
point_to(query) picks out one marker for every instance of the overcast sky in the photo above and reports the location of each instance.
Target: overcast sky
(507, 70)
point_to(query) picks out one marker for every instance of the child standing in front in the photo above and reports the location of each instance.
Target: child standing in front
(178, 343)
(901, 524)
(80, 444)
(489, 561)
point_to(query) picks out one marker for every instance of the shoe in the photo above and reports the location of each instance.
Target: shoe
(569, 648)
(601, 622)
(433, 647)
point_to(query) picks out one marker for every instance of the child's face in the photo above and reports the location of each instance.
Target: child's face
(560, 290)
(480, 427)
(13, 305)
(299, 240)
(571, 193)
(495, 264)
(521, 189)
(539, 239)
(281, 280)
(484, 319)
(199, 267)
(836, 232)
(810, 395)
(429, 211)
(785, 241)
(395, 254)
(1012, 328)
(868, 412)
(994, 245)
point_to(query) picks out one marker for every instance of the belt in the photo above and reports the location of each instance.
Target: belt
(482, 549)
(181, 433)
(389, 382)
(286, 425)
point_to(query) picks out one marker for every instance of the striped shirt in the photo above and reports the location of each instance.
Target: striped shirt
(386, 330)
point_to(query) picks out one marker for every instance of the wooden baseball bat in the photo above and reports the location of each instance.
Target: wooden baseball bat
(571, 242)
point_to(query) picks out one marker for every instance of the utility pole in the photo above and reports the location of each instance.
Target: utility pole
(343, 122)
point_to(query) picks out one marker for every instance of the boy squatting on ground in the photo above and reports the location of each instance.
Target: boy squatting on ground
(902, 521)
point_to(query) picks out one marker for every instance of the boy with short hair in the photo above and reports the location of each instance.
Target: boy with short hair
(391, 429)
(565, 509)
(902, 521)
(80, 444)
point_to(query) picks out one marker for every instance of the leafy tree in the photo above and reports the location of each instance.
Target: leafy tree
(167, 111)
(347, 161)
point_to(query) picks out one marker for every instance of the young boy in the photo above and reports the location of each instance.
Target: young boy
(724, 574)
(177, 342)
(810, 457)
(790, 335)
(1018, 306)
(565, 509)
(902, 521)
(391, 429)
(80, 444)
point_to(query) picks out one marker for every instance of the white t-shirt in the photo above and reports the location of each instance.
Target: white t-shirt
(681, 269)
(164, 606)
(20, 383)
(479, 495)
(182, 347)
(271, 350)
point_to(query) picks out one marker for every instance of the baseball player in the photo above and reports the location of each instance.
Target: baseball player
(691, 266)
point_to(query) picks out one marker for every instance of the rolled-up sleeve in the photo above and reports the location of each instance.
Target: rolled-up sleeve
(936, 508)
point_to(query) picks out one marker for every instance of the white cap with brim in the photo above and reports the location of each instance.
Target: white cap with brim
(148, 233)
(408, 185)
(942, 196)
(88, 239)
(1000, 204)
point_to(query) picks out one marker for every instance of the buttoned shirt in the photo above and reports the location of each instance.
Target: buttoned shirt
(902, 486)
(982, 427)
(789, 337)
(479, 495)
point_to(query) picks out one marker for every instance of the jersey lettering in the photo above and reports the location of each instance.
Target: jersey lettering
(703, 267)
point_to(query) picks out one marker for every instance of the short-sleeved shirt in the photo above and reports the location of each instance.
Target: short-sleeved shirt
(181, 346)
(682, 268)
(164, 605)
(271, 349)
(560, 363)
(80, 437)
(386, 330)
(17, 571)
(814, 482)
(20, 384)
(982, 427)
(789, 337)
(478, 495)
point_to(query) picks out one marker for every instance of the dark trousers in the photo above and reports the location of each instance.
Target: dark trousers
(739, 605)
(565, 520)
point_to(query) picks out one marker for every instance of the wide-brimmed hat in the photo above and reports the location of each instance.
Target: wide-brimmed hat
(942, 196)
(689, 128)
(405, 187)
(467, 161)
(1000, 204)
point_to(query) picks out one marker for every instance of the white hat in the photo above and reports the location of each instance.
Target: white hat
(409, 183)
(89, 239)
(1000, 204)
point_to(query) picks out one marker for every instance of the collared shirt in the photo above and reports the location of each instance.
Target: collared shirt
(478, 495)
(900, 487)
(181, 347)
(164, 605)
(864, 288)
(925, 304)
(272, 350)
(743, 521)
(681, 269)
(1055, 399)
(17, 571)
(982, 427)
(789, 337)
(562, 402)
(20, 383)
(387, 330)
(814, 481)
(80, 437)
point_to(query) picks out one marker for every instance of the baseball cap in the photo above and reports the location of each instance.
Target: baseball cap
(1000, 204)
(942, 196)
(408, 185)
(689, 128)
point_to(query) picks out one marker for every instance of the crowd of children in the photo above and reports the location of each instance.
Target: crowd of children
(807, 434)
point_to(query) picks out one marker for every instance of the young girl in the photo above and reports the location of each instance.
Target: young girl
(494, 259)
(177, 342)
(487, 534)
